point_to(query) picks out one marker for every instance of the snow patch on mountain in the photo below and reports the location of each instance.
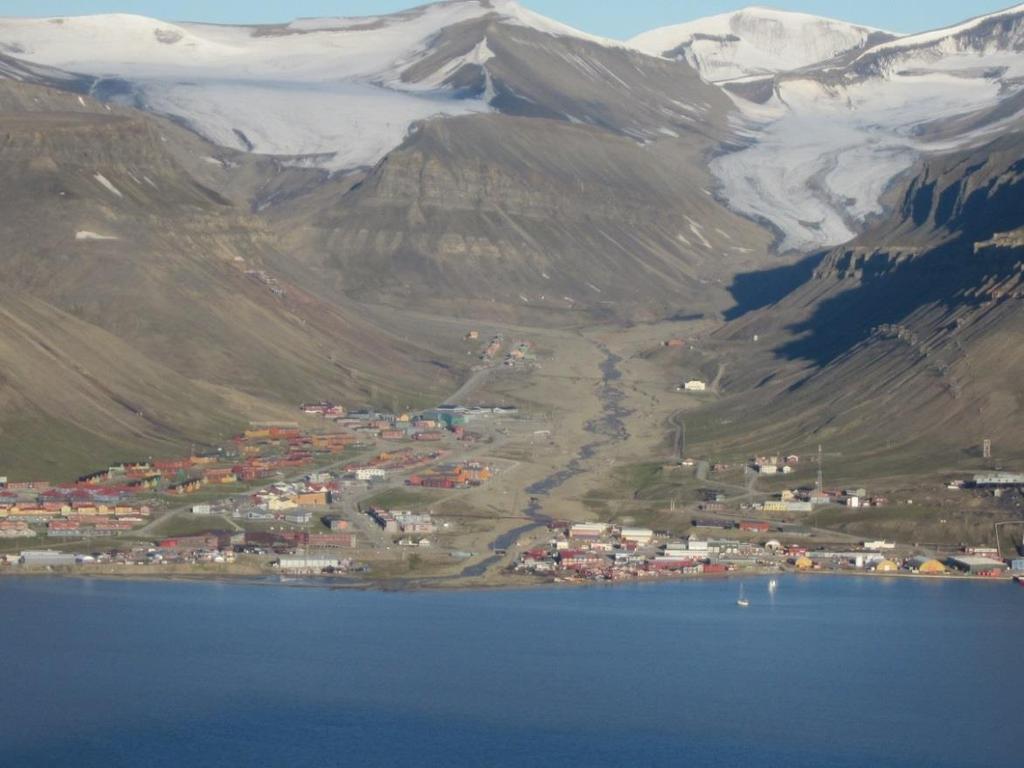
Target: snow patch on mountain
(352, 124)
(306, 89)
(328, 90)
(947, 34)
(106, 183)
(85, 234)
(828, 143)
(512, 11)
(754, 42)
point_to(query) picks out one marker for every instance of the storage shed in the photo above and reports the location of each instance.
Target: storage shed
(926, 565)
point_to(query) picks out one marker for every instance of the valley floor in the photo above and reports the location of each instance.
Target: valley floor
(601, 435)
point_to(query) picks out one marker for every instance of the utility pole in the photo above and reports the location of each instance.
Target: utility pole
(821, 481)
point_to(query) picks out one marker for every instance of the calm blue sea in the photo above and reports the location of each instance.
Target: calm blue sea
(828, 672)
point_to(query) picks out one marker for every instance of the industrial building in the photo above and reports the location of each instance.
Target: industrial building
(976, 565)
(307, 562)
(588, 530)
(46, 557)
(641, 536)
(925, 565)
(999, 479)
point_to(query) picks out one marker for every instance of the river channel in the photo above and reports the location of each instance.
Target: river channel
(608, 428)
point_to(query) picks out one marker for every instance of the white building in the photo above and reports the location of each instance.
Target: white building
(370, 473)
(45, 557)
(307, 562)
(639, 536)
(999, 478)
(587, 530)
(202, 509)
(695, 385)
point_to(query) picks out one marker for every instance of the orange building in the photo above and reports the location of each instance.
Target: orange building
(313, 499)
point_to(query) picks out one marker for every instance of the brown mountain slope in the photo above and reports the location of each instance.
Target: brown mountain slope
(500, 214)
(109, 246)
(586, 193)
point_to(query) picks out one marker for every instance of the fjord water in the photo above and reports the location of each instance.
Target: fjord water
(827, 672)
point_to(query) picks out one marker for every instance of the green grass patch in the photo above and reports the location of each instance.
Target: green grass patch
(401, 498)
(831, 517)
(187, 524)
(637, 476)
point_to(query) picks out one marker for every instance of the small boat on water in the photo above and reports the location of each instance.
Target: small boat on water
(773, 585)
(742, 602)
(1019, 580)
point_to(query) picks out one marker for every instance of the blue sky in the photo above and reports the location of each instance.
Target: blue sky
(612, 18)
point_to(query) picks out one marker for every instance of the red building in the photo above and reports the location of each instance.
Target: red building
(332, 540)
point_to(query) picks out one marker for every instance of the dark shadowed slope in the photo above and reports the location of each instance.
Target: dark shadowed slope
(909, 334)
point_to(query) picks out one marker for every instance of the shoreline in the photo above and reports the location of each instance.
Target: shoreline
(446, 584)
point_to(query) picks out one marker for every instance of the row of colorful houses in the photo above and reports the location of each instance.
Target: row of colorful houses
(462, 475)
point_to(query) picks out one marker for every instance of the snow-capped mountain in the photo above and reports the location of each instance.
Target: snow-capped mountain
(756, 42)
(826, 113)
(826, 141)
(328, 92)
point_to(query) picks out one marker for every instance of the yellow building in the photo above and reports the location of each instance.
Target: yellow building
(886, 566)
(804, 563)
(931, 566)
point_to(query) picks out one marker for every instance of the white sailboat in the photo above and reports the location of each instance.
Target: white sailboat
(742, 602)
(773, 585)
